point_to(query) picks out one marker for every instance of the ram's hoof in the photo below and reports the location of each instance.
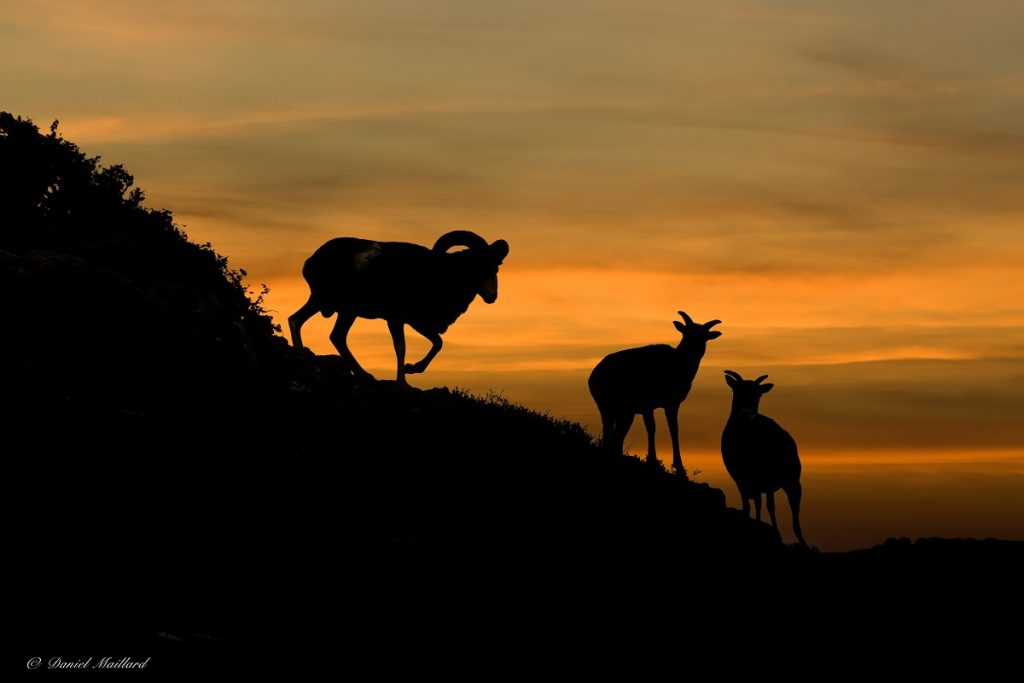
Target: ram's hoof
(412, 369)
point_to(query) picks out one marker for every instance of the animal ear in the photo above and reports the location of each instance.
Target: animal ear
(714, 334)
(500, 250)
(679, 326)
(730, 380)
(765, 388)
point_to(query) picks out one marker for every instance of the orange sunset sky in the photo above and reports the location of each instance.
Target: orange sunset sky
(841, 183)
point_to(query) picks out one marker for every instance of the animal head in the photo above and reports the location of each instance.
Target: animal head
(746, 393)
(696, 334)
(486, 258)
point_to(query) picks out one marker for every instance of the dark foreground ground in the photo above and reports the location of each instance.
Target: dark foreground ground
(429, 529)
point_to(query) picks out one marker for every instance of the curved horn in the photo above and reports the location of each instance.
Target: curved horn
(712, 323)
(687, 319)
(734, 374)
(459, 238)
(499, 249)
(761, 379)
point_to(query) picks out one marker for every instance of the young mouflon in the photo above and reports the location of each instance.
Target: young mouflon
(644, 379)
(759, 455)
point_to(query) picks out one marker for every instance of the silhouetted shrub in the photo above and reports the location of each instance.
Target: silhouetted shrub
(54, 198)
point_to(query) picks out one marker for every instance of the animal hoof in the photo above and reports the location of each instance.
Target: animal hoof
(412, 369)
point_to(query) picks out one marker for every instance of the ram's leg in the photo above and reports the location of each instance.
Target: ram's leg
(607, 429)
(623, 423)
(648, 416)
(672, 416)
(397, 329)
(769, 499)
(297, 319)
(435, 341)
(339, 337)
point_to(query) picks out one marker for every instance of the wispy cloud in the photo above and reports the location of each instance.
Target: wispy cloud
(898, 75)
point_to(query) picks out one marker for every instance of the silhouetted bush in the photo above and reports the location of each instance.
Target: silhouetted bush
(54, 198)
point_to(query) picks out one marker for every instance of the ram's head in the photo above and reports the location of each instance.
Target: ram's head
(488, 258)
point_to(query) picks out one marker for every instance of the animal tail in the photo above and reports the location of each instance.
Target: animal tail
(313, 275)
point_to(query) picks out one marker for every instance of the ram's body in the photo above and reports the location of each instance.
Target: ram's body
(402, 283)
(393, 280)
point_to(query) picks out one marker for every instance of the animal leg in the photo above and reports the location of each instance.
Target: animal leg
(769, 498)
(339, 337)
(757, 505)
(622, 427)
(607, 429)
(397, 329)
(672, 415)
(649, 424)
(745, 501)
(297, 319)
(794, 492)
(435, 340)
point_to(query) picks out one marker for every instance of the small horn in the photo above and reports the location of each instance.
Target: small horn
(761, 379)
(734, 374)
(687, 319)
(709, 325)
(459, 238)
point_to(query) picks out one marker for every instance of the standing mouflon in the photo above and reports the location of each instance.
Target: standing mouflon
(759, 455)
(644, 379)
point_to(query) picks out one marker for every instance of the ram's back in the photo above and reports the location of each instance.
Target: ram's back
(391, 280)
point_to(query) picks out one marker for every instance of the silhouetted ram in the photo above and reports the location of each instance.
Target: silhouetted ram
(405, 284)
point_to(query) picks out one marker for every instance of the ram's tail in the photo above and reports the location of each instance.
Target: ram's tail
(313, 272)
